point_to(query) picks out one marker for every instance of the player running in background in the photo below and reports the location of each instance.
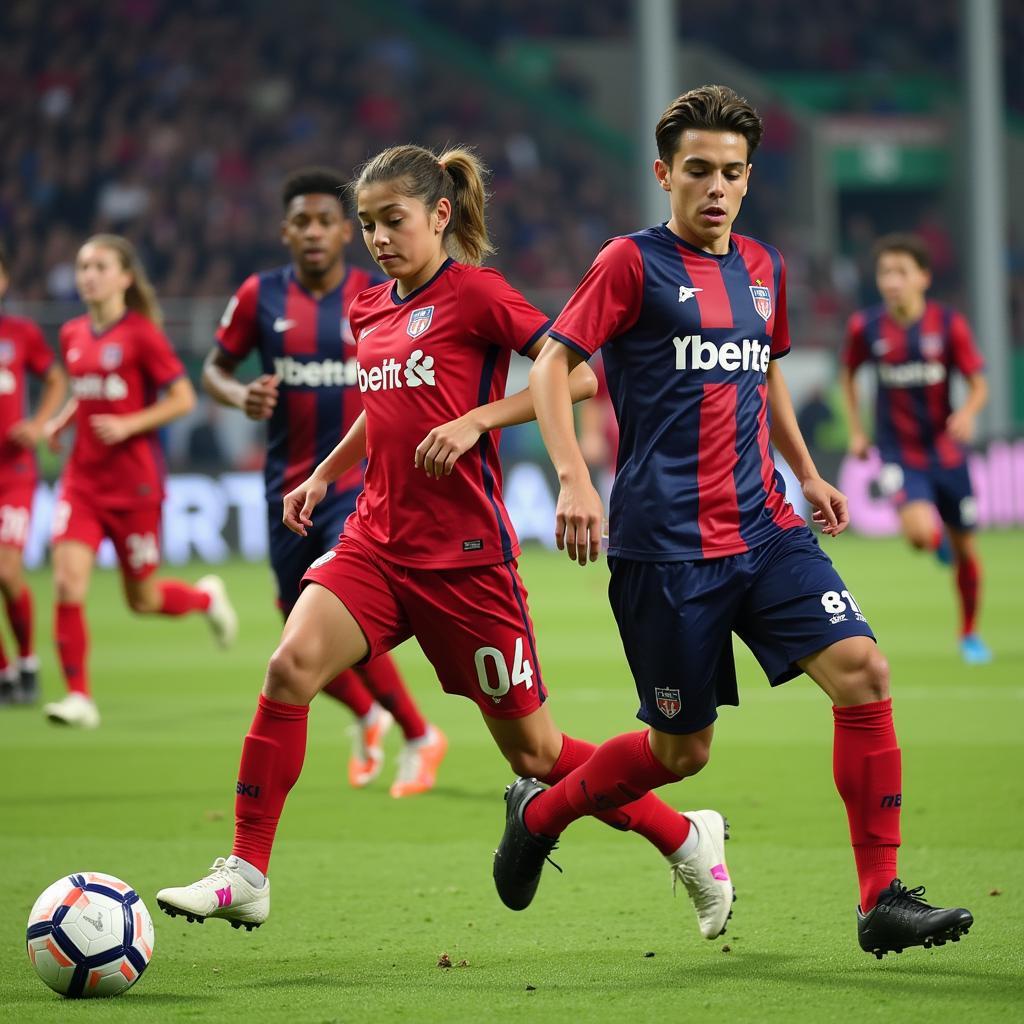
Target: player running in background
(692, 320)
(914, 345)
(296, 319)
(23, 351)
(430, 551)
(118, 359)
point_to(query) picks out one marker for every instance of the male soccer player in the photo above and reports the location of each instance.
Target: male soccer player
(914, 345)
(23, 351)
(296, 318)
(703, 543)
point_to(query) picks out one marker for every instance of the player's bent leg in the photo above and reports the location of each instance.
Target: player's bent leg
(973, 649)
(23, 677)
(920, 525)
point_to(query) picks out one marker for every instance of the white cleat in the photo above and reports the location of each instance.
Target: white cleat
(75, 709)
(221, 613)
(704, 873)
(367, 758)
(222, 893)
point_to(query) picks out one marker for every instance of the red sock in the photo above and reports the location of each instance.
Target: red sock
(937, 536)
(968, 583)
(659, 824)
(19, 611)
(178, 598)
(620, 771)
(349, 689)
(272, 757)
(382, 679)
(4, 663)
(72, 638)
(866, 767)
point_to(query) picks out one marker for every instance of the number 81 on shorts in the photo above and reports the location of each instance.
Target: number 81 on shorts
(495, 675)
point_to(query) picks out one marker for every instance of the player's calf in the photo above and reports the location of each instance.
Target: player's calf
(901, 918)
(225, 892)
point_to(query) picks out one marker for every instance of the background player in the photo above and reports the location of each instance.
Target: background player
(23, 351)
(703, 543)
(112, 486)
(430, 551)
(914, 345)
(296, 318)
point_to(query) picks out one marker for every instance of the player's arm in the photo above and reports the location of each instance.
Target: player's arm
(858, 443)
(299, 504)
(27, 432)
(831, 510)
(257, 399)
(438, 452)
(56, 426)
(961, 423)
(178, 400)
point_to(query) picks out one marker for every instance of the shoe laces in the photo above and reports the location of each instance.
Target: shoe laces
(219, 874)
(899, 895)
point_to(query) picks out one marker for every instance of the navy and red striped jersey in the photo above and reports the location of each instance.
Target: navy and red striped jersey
(913, 365)
(308, 343)
(686, 338)
(23, 350)
(425, 360)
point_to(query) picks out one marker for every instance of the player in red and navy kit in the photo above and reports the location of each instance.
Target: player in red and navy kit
(430, 551)
(119, 360)
(296, 319)
(23, 351)
(914, 345)
(691, 321)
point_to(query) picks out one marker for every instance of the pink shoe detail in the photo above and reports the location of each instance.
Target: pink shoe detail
(719, 873)
(223, 896)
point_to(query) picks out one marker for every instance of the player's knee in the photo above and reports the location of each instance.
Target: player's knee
(866, 679)
(920, 540)
(10, 580)
(290, 674)
(142, 603)
(687, 760)
(68, 588)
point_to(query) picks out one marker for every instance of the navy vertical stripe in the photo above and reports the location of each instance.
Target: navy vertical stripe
(486, 446)
(271, 305)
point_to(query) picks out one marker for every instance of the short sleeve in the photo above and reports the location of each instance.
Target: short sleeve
(855, 347)
(38, 355)
(780, 329)
(237, 332)
(497, 314)
(963, 351)
(606, 302)
(159, 361)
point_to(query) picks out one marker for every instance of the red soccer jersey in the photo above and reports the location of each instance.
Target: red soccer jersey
(424, 360)
(23, 350)
(116, 372)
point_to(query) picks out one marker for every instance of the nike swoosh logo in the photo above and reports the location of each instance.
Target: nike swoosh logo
(367, 330)
(281, 325)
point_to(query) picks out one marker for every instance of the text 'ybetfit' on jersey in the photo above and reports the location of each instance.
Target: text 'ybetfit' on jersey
(686, 337)
(308, 344)
(425, 360)
(913, 365)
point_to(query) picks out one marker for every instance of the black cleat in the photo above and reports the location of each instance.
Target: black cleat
(9, 690)
(901, 919)
(29, 684)
(520, 855)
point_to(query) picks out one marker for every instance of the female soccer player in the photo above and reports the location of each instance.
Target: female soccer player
(430, 551)
(118, 358)
(23, 351)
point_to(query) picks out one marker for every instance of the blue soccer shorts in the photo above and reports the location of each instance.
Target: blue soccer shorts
(947, 488)
(783, 599)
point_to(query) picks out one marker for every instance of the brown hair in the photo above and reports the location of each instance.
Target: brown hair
(712, 108)
(140, 294)
(456, 175)
(913, 246)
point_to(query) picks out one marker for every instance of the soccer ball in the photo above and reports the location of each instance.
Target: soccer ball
(89, 935)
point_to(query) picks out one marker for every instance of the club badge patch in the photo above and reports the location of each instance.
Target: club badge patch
(419, 321)
(762, 300)
(669, 702)
(931, 346)
(111, 356)
(6, 351)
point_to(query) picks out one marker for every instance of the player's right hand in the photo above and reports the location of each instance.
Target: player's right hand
(579, 515)
(52, 430)
(299, 505)
(261, 397)
(859, 446)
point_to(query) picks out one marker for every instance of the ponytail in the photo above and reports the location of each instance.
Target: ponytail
(140, 294)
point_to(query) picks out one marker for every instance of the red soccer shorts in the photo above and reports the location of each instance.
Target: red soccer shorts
(15, 514)
(135, 532)
(472, 624)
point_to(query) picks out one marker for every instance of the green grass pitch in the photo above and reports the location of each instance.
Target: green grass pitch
(369, 891)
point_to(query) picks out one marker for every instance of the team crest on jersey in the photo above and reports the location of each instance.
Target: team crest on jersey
(669, 702)
(879, 347)
(762, 300)
(6, 351)
(419, 321)
(111, 356)
(931, 346)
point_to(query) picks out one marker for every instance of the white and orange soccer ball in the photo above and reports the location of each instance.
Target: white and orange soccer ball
(88, 935)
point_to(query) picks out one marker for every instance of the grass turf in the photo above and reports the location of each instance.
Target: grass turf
(369, 891)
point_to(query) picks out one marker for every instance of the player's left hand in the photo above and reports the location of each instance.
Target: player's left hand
(25, 434)
(110, 429)
(831, 508)
(438, 452)
(960, 425)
